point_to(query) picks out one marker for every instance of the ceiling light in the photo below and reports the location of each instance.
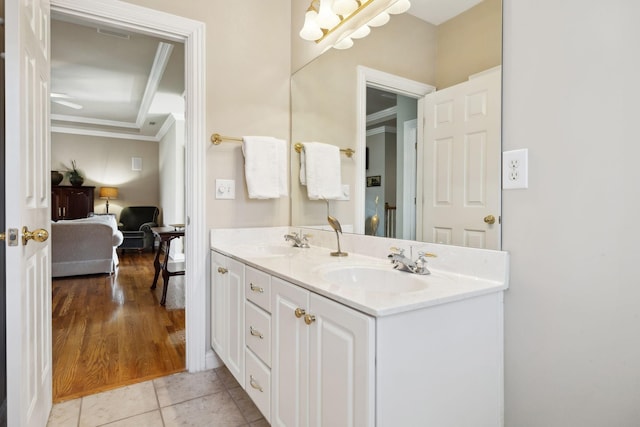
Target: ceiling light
(338, 22)
(379, 20)
(345, 43)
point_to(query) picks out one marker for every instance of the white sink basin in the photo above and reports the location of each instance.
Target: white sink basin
(375, 279)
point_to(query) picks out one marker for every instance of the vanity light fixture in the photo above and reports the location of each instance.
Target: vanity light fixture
(340, 21)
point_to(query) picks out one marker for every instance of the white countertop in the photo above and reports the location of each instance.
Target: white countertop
(479, 271)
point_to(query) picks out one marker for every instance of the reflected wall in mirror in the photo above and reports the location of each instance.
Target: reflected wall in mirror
(329, 102)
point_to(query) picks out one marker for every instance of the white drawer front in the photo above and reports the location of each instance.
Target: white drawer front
(258, 383)
(258, 288)
(258, 331)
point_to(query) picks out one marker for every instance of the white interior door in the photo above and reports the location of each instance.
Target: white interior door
(462, 163)
(28, 182)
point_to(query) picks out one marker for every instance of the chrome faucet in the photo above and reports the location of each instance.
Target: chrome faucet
(299, 240)
(402, 263)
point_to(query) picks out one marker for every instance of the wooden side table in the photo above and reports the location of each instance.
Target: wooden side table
(165, 235)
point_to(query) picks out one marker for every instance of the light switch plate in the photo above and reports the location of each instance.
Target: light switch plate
(225, 189)
(515, 169)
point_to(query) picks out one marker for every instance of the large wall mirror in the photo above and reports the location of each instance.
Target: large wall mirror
(419, 101)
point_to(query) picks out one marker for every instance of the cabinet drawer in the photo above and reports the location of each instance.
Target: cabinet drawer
(258, 331)
(258, 383)
(258, 288)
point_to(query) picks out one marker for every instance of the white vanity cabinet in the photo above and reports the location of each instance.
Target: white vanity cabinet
(227, 313)
(306, 360)
(322, 360)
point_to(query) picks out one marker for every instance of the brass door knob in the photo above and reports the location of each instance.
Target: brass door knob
(490, 219)
(309, 319)
(39, 235)
(299, 312)
(222, 270)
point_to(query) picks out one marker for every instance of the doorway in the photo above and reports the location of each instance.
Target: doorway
(191, 33)
(391, 145)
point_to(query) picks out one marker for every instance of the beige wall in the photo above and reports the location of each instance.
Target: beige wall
(572, 315)
(469, 43)
(107, 161)
(248, 69)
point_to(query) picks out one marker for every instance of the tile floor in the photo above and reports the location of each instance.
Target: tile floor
(209, 398)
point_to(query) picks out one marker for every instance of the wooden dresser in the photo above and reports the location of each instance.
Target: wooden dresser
(71, 202)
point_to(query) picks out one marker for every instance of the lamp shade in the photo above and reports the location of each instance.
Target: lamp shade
(108, 193)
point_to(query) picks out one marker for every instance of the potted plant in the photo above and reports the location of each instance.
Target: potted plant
(75, 176)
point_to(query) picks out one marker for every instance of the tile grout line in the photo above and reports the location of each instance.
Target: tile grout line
(155, 391)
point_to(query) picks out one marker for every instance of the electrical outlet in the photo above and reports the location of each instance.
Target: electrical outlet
(515, 169)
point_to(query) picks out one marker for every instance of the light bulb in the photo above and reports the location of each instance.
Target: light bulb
(310, 30)
(360, 32)
(379, 20)
(326, 18)
(401, 6)
(344, 7)
(345, 43)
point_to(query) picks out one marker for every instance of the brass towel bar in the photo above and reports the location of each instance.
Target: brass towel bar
(216, 139)
(347, 151)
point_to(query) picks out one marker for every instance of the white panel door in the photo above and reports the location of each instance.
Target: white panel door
(28, 191)
(462, 163)
(341, 365)
(289, 362)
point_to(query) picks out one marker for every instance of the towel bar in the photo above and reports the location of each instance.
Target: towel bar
(347, 151)
(217, 139)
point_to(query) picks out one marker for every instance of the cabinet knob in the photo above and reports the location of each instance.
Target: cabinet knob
(309, 319)
(222, 270)
(299, 312)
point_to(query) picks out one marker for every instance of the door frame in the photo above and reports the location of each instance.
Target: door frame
(391, 83)
(192, 33)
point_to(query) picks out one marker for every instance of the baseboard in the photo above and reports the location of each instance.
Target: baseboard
(211, 360)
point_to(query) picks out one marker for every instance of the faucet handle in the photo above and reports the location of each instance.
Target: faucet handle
(422, 254)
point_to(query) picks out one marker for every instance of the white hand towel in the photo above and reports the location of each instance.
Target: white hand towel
(321, 170)
(265, 167)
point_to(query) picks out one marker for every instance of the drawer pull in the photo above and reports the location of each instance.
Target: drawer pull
(299, 312)
(255, 288)
(255, 332)
(254, 384)
(222, 270)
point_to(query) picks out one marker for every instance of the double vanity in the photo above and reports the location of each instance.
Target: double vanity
(317, 340)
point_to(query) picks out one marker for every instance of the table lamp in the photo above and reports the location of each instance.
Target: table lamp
(108, 193)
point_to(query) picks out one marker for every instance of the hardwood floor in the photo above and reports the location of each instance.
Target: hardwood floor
(110, 331)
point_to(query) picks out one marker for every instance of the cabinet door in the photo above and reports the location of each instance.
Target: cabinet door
(341, 365)
(235, 324)
(289, 366)
(227, 313)
(79, 202)
(218, 306)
